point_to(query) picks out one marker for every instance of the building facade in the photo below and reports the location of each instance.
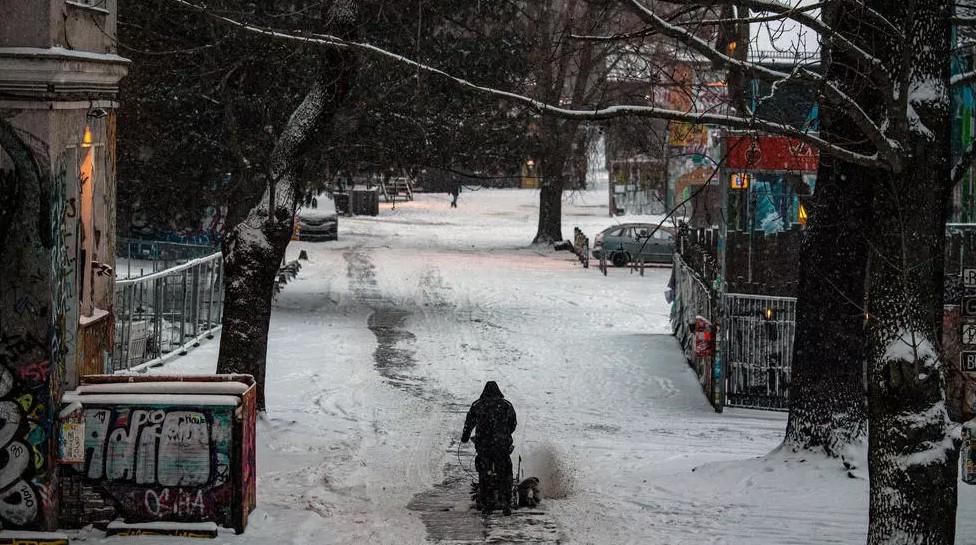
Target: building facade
(59, 76)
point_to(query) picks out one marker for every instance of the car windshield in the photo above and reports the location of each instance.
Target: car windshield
(321, 205)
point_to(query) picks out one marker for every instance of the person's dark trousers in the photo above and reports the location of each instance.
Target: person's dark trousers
(503, 465)
(494, 492)
(485, 486)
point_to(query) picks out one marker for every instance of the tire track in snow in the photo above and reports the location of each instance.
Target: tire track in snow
(393, 358)
(446, 508)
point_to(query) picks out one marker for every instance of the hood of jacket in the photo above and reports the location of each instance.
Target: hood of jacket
(491, 391)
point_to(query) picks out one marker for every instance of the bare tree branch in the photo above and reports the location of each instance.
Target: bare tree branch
(825, 31)
(597, 114)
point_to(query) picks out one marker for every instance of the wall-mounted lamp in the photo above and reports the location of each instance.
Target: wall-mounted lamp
(86, 140)
(97, 113)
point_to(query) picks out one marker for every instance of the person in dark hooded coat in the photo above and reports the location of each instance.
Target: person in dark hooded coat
(492, 418)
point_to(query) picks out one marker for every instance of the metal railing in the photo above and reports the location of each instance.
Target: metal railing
(760, 350)
(137, 257)
(691, 300)
(759, 334)
(166, 312)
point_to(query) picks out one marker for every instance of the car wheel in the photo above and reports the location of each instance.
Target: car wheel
(620, 259)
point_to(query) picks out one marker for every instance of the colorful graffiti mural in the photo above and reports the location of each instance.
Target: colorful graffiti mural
(963, 100)
(162, 463)
(29, 328)
(23, 441)
(189, 461)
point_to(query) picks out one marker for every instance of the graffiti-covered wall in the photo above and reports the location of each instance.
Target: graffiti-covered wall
(156, 463)
(30, 329)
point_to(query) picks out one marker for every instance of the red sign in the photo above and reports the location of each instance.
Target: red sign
(769, 152)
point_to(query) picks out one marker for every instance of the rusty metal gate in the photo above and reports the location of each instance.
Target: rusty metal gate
(760, 350)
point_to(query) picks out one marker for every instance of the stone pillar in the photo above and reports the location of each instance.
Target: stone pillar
(59, 79)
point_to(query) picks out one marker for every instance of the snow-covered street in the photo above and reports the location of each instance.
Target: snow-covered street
(386, 337)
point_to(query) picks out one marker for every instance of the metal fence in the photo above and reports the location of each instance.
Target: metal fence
(760, 350)
(759, 337)
(166, 312)
(691, 300)
(137, 257)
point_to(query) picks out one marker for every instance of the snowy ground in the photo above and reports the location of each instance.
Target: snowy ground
(388, 334)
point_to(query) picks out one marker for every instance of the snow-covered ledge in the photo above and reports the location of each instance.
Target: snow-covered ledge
(96, 315)
(59, 70)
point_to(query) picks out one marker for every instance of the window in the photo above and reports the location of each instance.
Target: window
(100, 5)
(661, 234)
(616, 232)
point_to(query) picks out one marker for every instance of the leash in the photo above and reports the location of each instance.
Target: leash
(460, 463)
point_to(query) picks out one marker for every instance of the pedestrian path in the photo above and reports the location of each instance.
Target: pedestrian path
(450, 517)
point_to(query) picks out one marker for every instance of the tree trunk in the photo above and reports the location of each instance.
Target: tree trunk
(255, 248)
(252, 254)
(828, 408)
(827, 401)
(550, 209)
(913, 459)
(557, 137)
(912, 455)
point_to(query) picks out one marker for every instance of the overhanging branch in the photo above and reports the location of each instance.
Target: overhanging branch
(596, 114)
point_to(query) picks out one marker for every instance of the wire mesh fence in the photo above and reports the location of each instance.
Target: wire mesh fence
(166, 312)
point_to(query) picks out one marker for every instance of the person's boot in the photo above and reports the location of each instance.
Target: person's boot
(507, 511)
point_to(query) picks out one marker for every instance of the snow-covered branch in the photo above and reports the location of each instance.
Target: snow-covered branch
(963, 78)
(886, 148)
(963, 164)
(596, 114)
(800, 16)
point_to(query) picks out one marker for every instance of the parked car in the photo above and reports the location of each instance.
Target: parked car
(317, 221)
(629, 242)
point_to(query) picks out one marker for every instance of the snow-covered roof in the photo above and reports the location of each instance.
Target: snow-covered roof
(152, 399)
(164, 387)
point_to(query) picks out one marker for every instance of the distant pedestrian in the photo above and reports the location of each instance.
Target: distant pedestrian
(455, 191)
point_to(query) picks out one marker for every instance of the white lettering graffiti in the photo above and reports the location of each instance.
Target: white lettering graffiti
(150, 447)
(175, 502)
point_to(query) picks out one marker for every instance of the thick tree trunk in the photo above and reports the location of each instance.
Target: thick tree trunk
(557, 138)
(827, 401)
(254, 249)
(827, 389)
(913, 459)
(550, 210)
(252, 254)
